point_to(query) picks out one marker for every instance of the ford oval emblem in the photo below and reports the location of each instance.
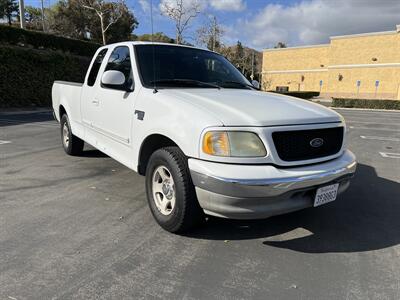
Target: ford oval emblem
(316, 143)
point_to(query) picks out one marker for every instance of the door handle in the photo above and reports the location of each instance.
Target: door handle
(140, 114)
(95, 102)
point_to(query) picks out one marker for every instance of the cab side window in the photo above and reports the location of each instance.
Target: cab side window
(120, 61)
(96, 67)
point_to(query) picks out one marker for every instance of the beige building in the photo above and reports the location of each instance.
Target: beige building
(352, 66)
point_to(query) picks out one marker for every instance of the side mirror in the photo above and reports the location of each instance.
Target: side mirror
(256, 84)
(113, 79)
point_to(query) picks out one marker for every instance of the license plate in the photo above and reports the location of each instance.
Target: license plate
(326, 194)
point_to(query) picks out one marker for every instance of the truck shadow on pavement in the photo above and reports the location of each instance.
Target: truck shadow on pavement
(366, 217)
(94, 153)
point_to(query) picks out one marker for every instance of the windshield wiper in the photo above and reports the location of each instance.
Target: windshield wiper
(186, 82)
(243, 84)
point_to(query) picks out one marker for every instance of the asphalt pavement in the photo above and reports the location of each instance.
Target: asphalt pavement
(80, 228)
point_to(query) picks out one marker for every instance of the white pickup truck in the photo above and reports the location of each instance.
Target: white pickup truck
(206, 139)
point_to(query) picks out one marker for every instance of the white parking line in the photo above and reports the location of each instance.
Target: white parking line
(371, 118)
(371, 122)
(4, 142)
(367, 110)
(390, 155)
(370, 128)
(379, 138)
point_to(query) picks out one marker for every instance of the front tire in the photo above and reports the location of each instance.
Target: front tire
(170, 191)
(72, 144)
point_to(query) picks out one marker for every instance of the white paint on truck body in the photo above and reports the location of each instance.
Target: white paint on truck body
(117, 122)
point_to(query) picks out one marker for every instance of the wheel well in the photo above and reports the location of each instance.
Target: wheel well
(149, 146)
(62, 111)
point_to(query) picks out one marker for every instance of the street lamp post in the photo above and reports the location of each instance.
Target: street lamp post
(43, 25)
(21, 14)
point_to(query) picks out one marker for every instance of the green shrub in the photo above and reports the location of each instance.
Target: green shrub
(27, 75)
(39, 40)
(299, 94)
(366, 103)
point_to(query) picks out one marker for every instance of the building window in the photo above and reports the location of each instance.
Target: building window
(282, 89)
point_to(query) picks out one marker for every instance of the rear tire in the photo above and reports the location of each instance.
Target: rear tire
(170, 191)
(72, 144)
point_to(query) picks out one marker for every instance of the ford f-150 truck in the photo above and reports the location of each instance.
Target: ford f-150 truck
(207, 140)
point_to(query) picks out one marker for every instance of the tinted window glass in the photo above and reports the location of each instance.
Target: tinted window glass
(172, 63)
(120, 61)
(96, 67)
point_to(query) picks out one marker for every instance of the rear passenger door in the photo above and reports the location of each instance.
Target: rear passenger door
(113, 120)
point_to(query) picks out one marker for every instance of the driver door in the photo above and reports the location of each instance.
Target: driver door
(116, 107)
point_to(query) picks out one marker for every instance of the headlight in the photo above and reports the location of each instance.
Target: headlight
(233, 143)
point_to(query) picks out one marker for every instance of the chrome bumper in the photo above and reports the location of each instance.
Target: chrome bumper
(270, 191)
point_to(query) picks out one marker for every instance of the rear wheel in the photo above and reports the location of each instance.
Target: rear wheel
(170, 191)
(72, 144)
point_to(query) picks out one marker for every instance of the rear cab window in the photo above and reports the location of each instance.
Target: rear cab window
(96, 67)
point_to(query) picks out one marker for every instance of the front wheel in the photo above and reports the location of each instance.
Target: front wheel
(170, 191)
(72, 144)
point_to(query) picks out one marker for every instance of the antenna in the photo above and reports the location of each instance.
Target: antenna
(152, 42)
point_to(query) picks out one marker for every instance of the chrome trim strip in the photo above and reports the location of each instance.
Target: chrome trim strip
(107, 133)
(269, 187)
(287, 180)
(78, 84)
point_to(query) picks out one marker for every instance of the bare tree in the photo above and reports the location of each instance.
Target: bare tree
(108, 12)
(266, 83)
(280, 45)
(210, 34)
(247, 60)
(181, 12)
(8, 9)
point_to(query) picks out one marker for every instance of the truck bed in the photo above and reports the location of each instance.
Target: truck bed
(64, 93)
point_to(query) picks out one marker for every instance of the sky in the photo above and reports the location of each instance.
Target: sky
(263, 23)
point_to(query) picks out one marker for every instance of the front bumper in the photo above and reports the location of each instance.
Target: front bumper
(259, 191)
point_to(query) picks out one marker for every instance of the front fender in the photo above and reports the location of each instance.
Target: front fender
(180, 121)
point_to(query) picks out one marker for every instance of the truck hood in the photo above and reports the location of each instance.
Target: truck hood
(237, 107)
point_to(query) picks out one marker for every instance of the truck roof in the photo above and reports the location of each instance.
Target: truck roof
(152, 43)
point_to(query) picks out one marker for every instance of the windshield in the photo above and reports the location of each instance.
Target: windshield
(186, 67)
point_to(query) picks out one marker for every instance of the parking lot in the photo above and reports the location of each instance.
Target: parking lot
(79, 227)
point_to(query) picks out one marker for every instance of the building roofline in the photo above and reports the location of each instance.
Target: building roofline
(337, 37)
(297, 47)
